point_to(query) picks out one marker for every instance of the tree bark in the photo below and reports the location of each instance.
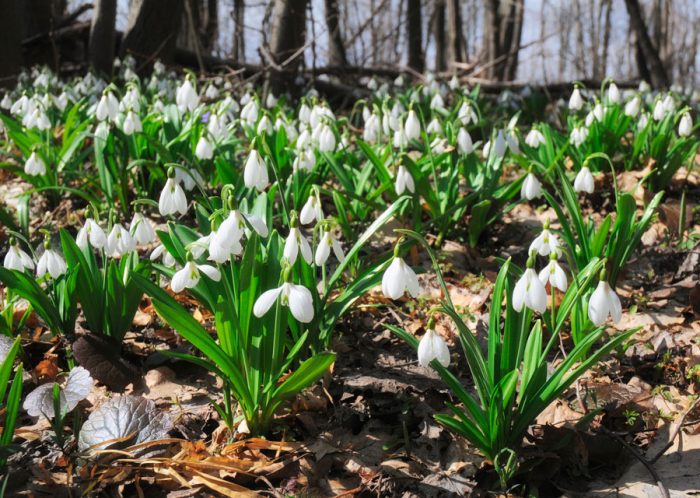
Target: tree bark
(287, 40)
(336, 48)
(102, 36)
(414, 36)
(10, 41)
(238, 29)
(647, 51)
(454, 33)
(151, 31)
(438, 28)
(502, 34)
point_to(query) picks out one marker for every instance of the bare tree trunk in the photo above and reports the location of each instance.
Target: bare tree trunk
(238, 29)
(606, 35)
(151, 31)
(10, 41)
(454, 32)
(502, 34)
(336, 48)
(511, 36)
(438, 29)
(102, 36)
(414, 36)
(287, 42)
(199, 26)
(647, 51)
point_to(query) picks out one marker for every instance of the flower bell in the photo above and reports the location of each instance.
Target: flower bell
(297, 297)
(17, 259)
(255, 172)
(464, 142)
(412, 126)
(404, 181)
(685, 127)
(141, 229)
(529, 290)
(554, 274)
(633, 107)
(311, 211)
(296, 242)
(531, 188)
(188, 277)
(50, 262)
(584, 181)
(204, 149)
(433, 347)
(579, 135)
(34, 165)
(545, 243)
(399, 278)
(132, 123)
(614, 96)
(604, 302)
(91, 232)
(534, 138)
(575, 101)
(119, 241)
(172, 199)
(328, 242)
(186, 97)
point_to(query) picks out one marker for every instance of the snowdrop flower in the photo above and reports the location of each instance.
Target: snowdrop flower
(433, 347)
(498, 148)
(529, 291)
(643, 121)
(328, 242)
(545, 243)
(614, 96)
(531, 189)
(604, 302)
(659, 111)
(172, 199)
(372, 129)
(411, 127)
(296, 242)
(50, 262)
(554, 274)
(404, 181)
(107, 107)
(534, 138)
(119, 241)
(685, 127)
(141, 229)
(326, 139)
(17, 259)
(204, 149)
(579, 135)
(91, 232)
(216, 127)
(512, 141)
(188, 277)
(297, 297)
(264, 126)
(211, 92)
(226, 240)
(466, 114)
(399, 278)
(434, 127)
(575, 101)
(34, 165)
(584, 181)
(633, 106)
(186, 97)
(400, 139)
(311, 210)
(132, 123)
(255, 172)
(464, 142)
(161, 252)
(437, 102)
(669, 104)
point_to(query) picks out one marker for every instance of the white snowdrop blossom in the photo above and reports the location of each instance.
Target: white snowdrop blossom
(34, 165)
(204, 149)
(52, 263)
(141, 229)
(119, 241)
(132, 123)
(584, 181)
(633, 107)
(172, 199)
(188, 277)
(297, 297)
(545, 243)
(531, 188)
(323, 251)
(404, 181)
(295, 243)
(311, 211)
(614, 96)
(433, 347)
(17, 259)
(603, 302)
(186, 97)
(685, 127)
(534, 138)
(412, 126)
(255, 172)
(225, 242)
(554, 274)
(399, 278)
(579, 135)
(530, 292)
(91, 232)
(575, 101)
(464, 142)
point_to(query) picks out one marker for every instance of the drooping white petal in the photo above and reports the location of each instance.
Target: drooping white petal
(432, 346)
(301, 303)
(598, 305)
(265, 301)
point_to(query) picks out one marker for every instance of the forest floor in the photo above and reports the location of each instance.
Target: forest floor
(369, 430)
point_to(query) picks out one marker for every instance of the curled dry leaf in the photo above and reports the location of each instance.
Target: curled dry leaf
(76, 389)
